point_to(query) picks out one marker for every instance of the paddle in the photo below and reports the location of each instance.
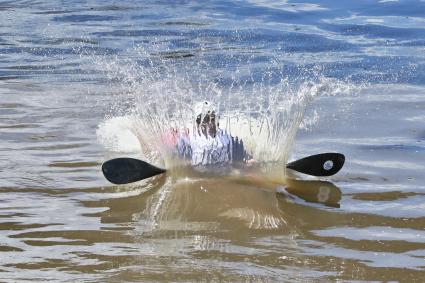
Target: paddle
(324, 164)
(127, 170)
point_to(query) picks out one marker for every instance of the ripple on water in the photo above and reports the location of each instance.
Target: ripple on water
(64, 67)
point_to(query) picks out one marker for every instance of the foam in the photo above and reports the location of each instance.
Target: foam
(116, 134)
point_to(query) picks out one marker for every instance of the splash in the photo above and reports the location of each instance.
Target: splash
(116, 134)
(263, 106)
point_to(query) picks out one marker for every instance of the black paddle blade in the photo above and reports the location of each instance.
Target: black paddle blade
(324, 164)
(128, 170)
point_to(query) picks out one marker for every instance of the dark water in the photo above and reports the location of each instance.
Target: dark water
(70, 73)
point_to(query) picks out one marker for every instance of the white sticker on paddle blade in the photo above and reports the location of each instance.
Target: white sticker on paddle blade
(328, 165)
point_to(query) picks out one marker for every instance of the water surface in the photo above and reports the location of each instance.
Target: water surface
(74, 77)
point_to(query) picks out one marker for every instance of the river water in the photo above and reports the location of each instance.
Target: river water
(79, 80)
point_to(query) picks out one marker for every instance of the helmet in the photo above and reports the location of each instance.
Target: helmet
(201, 109)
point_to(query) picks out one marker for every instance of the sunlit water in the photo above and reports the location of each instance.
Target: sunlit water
(84, 82)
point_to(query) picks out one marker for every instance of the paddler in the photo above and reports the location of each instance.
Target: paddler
(208, 145)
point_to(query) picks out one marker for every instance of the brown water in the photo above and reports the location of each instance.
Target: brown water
(74, 77)
(60, 220)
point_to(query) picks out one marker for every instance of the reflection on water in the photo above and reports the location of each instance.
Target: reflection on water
(314, 191)
(195, 224)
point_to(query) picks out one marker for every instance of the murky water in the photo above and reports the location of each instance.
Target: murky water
(80, 82)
